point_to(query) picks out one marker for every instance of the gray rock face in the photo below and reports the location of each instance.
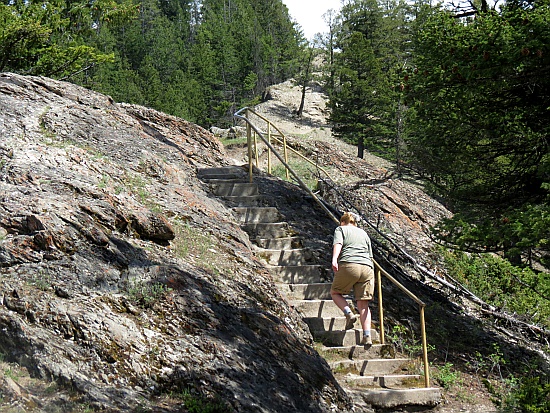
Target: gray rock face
(111, 279)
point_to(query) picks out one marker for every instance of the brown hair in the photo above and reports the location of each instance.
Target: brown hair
(347, 218)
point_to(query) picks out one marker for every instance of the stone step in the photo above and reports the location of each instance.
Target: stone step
(312, 291)
(337, 323)
(257, 214)
(224, 172)
(287, 243)
(388, 381)
(231, 179)
(391, 398)
(300, 274)
(234, 189)
(370, 367)
(358, 352)
(243, 201)
(343, 338)
(286, 257)
(267, 230)
(318, 308)
(374, 369)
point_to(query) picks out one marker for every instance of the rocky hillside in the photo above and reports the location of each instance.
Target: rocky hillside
(126, 286)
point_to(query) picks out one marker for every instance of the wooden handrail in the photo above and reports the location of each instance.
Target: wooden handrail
(243, 114)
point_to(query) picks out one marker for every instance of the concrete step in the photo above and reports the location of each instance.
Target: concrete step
(257, 214)
(357, 352)
(374, 369)
(232, 179)
(318, 308)
(234, 189)
(370, 367)
(224, 172)
(267, 230)
(313, 291)
(243, 201)
(300, 274)
(343, 338)
(392, 398)
(324, 324)
(286, 257)
(287, 243)
(388, 381)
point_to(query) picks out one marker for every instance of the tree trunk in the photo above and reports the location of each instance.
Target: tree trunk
(305, 81)
(360, 147)
(301, 108)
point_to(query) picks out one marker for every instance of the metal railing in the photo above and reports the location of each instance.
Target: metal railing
(252, 132)
(379, 271)
(277, 138)
(253, 149)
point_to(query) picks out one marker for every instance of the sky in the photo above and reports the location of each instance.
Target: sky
(309, 14)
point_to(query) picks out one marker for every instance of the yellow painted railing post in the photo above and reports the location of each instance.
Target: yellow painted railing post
(256, 150)
(424, 348)
(380, 304)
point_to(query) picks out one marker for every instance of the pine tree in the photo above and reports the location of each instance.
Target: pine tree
(364, 92)
(481, 94)
(50, 38)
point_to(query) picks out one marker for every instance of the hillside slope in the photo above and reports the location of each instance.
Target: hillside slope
(124, 284)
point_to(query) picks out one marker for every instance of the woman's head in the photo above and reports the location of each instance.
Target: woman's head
(348, 218)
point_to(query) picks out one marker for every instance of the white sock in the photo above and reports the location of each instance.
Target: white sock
(366, 332)
(347, 310)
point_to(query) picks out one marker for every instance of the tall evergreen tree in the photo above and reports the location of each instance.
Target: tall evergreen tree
(481, 96)
(50, 37)
(365, 95)
(200, 59)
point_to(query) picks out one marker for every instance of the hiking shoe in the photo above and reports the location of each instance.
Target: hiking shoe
(367, 341)
(350, 320)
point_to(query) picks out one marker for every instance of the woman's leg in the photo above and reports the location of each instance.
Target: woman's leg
(364, 314)
(344, 279)
(339, 300)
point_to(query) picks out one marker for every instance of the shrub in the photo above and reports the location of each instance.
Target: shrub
(499, 283)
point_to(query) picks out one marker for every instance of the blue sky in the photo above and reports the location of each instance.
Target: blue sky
(308, 13)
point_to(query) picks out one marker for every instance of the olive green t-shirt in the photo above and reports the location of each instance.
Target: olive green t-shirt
(356, 245)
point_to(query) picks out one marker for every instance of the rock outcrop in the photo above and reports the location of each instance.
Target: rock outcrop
(122, 279)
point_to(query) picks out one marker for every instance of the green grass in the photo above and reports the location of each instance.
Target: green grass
(145, 293)
(229, 142)
(194, 245)
(447, 376)
(195, 403)
(305, 171)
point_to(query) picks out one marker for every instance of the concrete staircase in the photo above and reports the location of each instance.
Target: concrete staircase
(372, 375)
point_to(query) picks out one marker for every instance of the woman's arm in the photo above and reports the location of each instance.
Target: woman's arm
(336, 249)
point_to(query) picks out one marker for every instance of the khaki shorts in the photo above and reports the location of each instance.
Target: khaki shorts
(358, 277)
